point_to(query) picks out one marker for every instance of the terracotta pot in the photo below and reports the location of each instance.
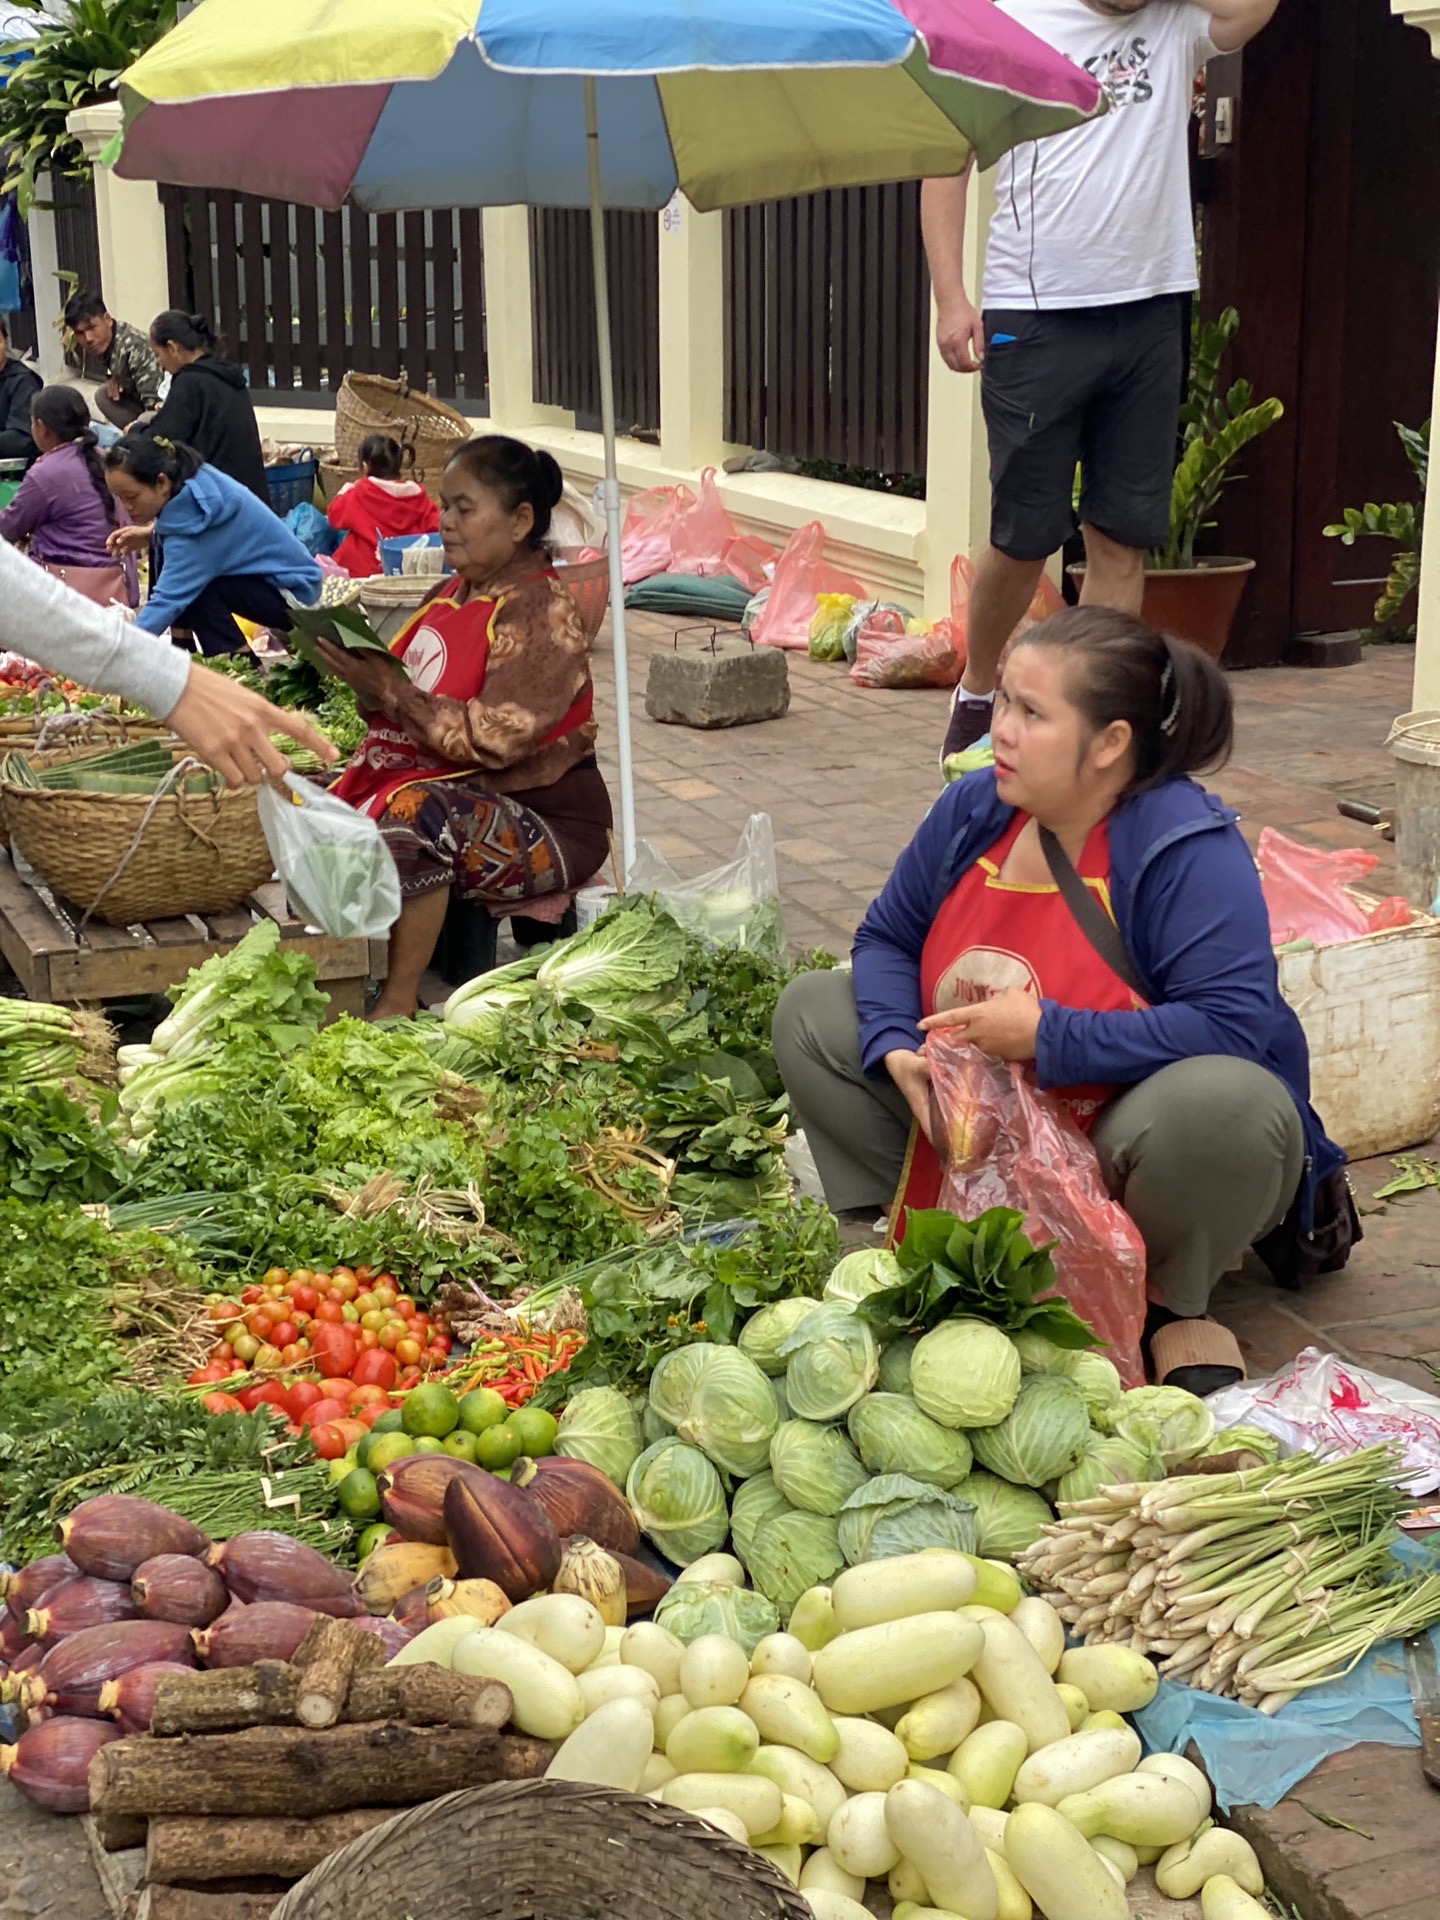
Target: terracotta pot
(1196, 603)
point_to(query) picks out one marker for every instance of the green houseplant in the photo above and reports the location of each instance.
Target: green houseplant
(1401, 523)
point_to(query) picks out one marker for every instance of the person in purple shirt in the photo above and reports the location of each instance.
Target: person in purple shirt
(64, 511)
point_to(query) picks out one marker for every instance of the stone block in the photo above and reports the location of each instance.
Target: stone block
(730, 686)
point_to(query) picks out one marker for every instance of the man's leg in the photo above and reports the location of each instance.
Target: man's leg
(1114, 575)
(120, 413)
(1129, 448)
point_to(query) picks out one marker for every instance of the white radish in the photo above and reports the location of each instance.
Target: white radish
(602, 1684)
(900, 1587)
(1075, 1764)
(727, 1822)
(1062, 1874)
(1012, 1677)
(935, 1836)
(1042, 1627)
(1145, 1809)
(563, 1625)
(890, 1665)
(759, 1803)
(547, 1696)
(859, 1838)
(1185, 1869)
(1111, 1677)
(822, 1873)
(656, 1651)
(713, 1671)
(782, 1653)
(713, 1567)
(869, 1759)
(790, 1714)
(1224, 1899)
(713, 1740)
(798, 1775)
(1174, 1766)
(939, 1721)
(987, 1762)
(610, 1749)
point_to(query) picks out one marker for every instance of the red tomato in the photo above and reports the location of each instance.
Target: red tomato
(223, 1311)
(435, 1355)
(252, 1294)
(220, 1354)
(292, 1355)
(306, 1298)
(221, 1403)
(369, 1339)
(408, 1352)
(353, 1430)
(328, 1441)
(260, 1323)
(323, 1413)
(207, 1376)
(330, 1313)
(284, 1333)
(376, 1369)
(369, 1415)
(272, 1394)
(300, 1318)
(336, 1350)
(372, 1395)
(404, 1306)
(391, 1336)
(250, 1397)
(443, 1342)
(344, 1285)
(303, 1395)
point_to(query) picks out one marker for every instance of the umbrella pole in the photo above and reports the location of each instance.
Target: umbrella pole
(611, 488)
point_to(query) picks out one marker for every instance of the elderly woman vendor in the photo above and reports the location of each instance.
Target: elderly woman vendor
(480, 760)
(1191, 1075)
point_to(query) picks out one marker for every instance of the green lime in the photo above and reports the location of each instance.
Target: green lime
(339, 1468)
(390, 1422)
(374, 1536)
(462, 1445)
(499, 1446)
(427, 1443)
(482, 1408)
(366, 1447)
(537, 1430)
(358, 1494)
(430, 1412)
(385, 1449)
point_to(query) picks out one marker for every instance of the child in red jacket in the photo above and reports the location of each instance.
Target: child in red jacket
(380, 505)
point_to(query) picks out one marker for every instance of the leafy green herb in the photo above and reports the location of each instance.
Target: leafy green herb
(52, 1149)
(984, 1268)
(1415, 1174)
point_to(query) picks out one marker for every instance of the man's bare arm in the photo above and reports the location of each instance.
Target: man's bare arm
(959, 331)
(1234, 22)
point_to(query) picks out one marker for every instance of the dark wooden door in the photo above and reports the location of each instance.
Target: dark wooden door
(1321, 223)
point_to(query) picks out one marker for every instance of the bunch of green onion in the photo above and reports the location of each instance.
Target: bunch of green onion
(1253, 1585)
(41, 1045)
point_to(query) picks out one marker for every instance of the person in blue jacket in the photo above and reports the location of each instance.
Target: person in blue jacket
(1174, 1051)
(215, 549)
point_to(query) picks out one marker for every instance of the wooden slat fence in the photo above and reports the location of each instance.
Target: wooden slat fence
(302, 297)
(567, 360)
(827, 321)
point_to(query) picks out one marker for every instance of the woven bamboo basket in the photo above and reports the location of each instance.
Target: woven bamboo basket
(334, 476)
(92, 727)
(368, 403)
(589, 584)
(76, 748)
(545, 1850)
(129, 857)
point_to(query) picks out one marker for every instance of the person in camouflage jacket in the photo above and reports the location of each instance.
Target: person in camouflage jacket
(132, 373)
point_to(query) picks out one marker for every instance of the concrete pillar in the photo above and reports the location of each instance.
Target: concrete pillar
(133, 266)
(1425, 14)
(692, 337)
(957, 488)
(49, 291)
(509, 324)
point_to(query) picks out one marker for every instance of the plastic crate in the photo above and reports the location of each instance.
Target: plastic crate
(393, 549)
(291, 486)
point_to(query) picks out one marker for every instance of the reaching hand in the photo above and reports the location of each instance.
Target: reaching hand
(128, 540)
(911, 1074)
(230, 727)
(1005, 1026)
(960, 336)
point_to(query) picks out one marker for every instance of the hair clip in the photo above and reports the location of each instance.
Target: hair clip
(1167, 681)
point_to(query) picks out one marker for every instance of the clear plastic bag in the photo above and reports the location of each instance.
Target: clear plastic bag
(737, 905)
(1004, 1143)
(337, 870)
(888, 655)
(649, 524)
(802, 574)
(702, 533)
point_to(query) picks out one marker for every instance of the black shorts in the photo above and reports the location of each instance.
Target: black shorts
(1097, 387)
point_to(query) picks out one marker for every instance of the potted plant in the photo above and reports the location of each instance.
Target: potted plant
(1195, 597)
(1402, 523)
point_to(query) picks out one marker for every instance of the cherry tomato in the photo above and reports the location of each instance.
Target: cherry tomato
(301, 1397)
(303, 1275)
(276, 1277)
(369, 1339)
(436, 1356)
(363, 1273)
(407, 1352)
(391, 1335)
(221, 1403)
(340, 1388)
(328, 1441)
(376, 1369)
(369, 1396)
(322, 1413)
(223, 1311)
(369, 1415)
(291, 1354)
(365, 1303)
(330, 1312)
(349, 1315)
(344, 1286)
(374, 1320)
(219, 1354)
(443, 1342)
(299, 1319)
(245, 1349)
(336, 1350)
(267, 1360)
(207, 1376)
(306, 1298)
(261, 1324)
(250, 1396)
(284, 1333)
(385, 1291)
(251, 1295)
(405, 1306)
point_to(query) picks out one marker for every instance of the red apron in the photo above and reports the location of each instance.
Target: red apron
(990, 935)
(445, 649)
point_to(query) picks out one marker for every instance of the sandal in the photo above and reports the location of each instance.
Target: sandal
(1199, 1355)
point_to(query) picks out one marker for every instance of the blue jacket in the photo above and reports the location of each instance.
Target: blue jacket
(212, 528)
(1187, 899)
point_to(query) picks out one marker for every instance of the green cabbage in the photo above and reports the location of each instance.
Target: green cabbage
(483, 1009)
(894, 1436)
(1044, 1434)
(1108, 1461)
(1007, 1519)
(895, 1514)
(782, 1399)
(673, 1381)
(870, 1270)
(1253, 1439)
(652, 1427)
(763, 1332)
(1039, 1355)
(731, 1415)
(600, 1426)
(833, 1359)
(755, 1502)
(1171, 1422)
(694, 1607)
(965, 1373)
(895, 1362)
(793, 1553)
(1101, 1385)
(678, 1500)
(815, 1467)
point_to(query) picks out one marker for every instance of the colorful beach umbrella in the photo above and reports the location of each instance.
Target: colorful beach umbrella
(402, 104)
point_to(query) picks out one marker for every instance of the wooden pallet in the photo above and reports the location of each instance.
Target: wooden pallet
(55, 958)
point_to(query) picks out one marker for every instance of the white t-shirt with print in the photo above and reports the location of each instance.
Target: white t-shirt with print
(1101, 214)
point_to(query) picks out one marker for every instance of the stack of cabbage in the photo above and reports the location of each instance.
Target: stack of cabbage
(813, 1448)
(921, 1724)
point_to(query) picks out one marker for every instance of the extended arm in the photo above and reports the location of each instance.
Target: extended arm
(1233, 22)
(959, 330)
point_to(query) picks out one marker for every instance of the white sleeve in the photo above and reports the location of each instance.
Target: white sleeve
(49, 623)
(1202, 48)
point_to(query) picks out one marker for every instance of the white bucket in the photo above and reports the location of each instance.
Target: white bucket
(590, 903)
(1415, 745)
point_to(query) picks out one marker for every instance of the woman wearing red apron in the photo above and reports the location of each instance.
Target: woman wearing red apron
(480, 760)
(1172, 1045)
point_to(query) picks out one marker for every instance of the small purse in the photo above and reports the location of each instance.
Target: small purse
(103, 585)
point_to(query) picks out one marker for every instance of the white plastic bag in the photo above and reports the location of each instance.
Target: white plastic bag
(1324, 1405)
(338, 871)
(737, 905)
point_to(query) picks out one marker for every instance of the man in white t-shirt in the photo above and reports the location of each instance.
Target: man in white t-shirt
(1082, 340)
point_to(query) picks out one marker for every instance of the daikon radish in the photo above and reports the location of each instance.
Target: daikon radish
(1113, 1677)
(790, 1714)
(609, 1749)
(1185, 1869)
(935, 1836)
(1075, 1764)
(900, 1587)
(986, 1764)
(1059, 1870)
(893, 1664)
(939, 1721)
(1012, 1677)
(869, 1758)
(859, 1838)
(714, 1671)
(756, 1801)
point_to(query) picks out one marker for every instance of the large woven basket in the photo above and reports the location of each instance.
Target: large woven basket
(368, 403)
(90, 727)
(75, 746)
(128, 857)
(589, 584)
(544, 1850)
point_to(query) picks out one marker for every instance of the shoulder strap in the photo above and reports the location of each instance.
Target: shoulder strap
(1091, 918)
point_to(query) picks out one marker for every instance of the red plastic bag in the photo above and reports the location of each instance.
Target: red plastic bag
(887, 656)
(1048, 599)
(801, 576)
(1305, 890)
(702, 532)
(751, 561)
(645, 537)
(1004, 1143)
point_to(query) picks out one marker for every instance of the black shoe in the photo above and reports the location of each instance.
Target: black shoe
(970, 721)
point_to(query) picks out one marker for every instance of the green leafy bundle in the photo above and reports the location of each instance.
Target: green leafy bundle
(985, 1269)
(53, 1149)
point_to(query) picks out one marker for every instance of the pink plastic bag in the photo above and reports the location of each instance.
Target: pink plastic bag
(650, 521)
(1305, 891)
(887, 656)
(702, 532)
(1004, 1143)
(1048, 599)
(801, 576)
(751, 561)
